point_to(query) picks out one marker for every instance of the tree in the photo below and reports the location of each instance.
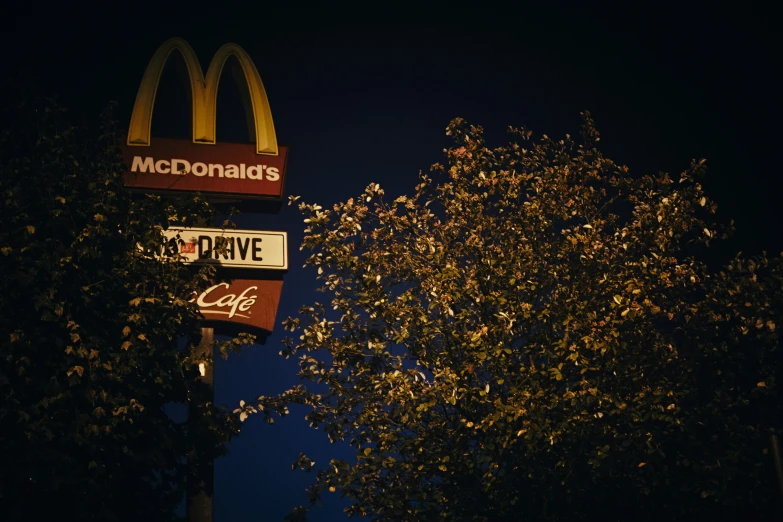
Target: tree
(530, 335)
(97, 333)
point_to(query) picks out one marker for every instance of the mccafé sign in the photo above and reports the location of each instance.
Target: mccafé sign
(257, 249)
(246, 302)
(250, 171)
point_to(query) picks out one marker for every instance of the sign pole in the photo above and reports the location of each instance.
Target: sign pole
(200, 506)
(231, 171)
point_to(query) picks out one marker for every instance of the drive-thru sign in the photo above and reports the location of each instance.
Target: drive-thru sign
(257, 249)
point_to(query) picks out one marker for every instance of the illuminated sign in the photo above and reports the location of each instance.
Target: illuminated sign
(255, 249)
(203, 164)
(246, 302)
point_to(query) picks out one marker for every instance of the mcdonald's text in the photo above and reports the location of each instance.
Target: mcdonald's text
(173, 165)
(182, 167)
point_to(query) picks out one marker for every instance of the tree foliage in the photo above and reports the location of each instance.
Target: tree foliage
(531, 335)
(92, 332)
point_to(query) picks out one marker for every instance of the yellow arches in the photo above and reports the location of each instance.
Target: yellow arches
(204, 96)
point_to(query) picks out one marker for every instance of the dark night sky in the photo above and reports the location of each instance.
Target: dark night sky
(369, 103)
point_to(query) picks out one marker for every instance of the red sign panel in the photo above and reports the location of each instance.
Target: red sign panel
(248, 302)
(230, 169)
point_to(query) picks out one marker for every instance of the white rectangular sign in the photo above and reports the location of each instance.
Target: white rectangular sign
(258, 249)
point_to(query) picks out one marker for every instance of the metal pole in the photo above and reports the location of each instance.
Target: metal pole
(776, 456)
(200, 506)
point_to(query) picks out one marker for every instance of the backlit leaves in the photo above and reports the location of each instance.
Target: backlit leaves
(528, 327)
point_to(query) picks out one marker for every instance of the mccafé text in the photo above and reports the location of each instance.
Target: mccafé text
(242, 302)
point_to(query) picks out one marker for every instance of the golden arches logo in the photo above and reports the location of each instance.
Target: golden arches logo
(204, 96)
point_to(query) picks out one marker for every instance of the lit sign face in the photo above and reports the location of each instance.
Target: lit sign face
(256, 249)
(229, 169)
(246, 302)
(202, 164)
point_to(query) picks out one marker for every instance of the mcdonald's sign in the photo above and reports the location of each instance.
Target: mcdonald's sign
(248, 171)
